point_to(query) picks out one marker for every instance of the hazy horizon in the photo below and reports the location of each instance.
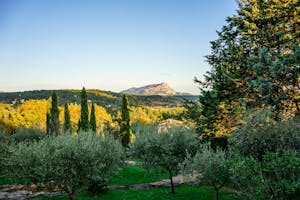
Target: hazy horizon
(107, 45)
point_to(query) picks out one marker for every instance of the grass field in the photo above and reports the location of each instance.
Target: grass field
(135, 174)
(182, 193)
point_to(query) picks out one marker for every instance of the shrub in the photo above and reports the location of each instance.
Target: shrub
(277, 176)
(210, 165)
(73, 162)
(165, 150)
(27, 134)
(4, 139)
(259, 136)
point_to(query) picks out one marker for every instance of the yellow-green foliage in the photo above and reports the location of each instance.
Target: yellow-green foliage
(33, 114)
(147, 115)
(30, 114)
(101, 116)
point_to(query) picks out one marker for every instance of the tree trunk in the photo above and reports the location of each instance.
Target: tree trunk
(72, 195)
(217, 193)
(171, 182)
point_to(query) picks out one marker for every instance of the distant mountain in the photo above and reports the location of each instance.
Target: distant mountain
(162, 89)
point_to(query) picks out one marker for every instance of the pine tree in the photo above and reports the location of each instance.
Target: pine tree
(54, 112)
(84, 116)
(254, 66)
(67, 124)
(125, 128)
(93, 125)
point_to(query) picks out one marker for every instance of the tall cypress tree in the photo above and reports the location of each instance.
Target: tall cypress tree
(67, 124)
(125, 128)
(93, 119)
(79, 125)
(84, 117)
(48, 123)
(54, 112)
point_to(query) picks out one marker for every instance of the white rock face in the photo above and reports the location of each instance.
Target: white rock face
(162, 89)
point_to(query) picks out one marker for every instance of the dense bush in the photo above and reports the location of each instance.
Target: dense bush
(73, 162)
(210, 165)
(27, 134)
(4, 139)
(165, 150)
(277, 176)
(259, 136)
(267, 157)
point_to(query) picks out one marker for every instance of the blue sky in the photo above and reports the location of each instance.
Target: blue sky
(107, 44)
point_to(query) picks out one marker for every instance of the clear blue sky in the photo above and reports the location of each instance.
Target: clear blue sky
(107, 44)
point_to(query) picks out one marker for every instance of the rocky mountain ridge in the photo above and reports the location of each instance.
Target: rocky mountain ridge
(162, 89)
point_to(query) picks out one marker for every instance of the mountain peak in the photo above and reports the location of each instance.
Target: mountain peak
(162, 89)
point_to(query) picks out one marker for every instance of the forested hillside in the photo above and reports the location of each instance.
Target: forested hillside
(28, 109)
(110, 100)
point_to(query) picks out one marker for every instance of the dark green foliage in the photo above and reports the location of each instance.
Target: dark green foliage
(270, 79)
(84, 116)
(27, 134)
(67, 121)
(126, 133)
(48, 124)
(93, 124)
(79, 125)
(54, 113)
(4, 141)
(259, 136)
(276, 177)
(255, 64)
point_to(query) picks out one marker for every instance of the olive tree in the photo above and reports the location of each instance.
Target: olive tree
(165, 150)
(73, 162)
(210, 165)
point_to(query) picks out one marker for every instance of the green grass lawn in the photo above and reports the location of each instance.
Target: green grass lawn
(181, 193)
(135, 174)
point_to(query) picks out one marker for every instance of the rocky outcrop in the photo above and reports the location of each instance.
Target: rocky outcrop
(162, 89)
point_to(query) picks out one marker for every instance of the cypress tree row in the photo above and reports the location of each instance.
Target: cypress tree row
(67, 124)
(84, 116)
(54, 114)
(125, 129)
(93, 125)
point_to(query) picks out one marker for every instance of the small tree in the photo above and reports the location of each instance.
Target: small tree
(54, 114)
(126, 133)
(165, 150)
(67, 124)
(93, 125)
(84, 116)
(211, 165)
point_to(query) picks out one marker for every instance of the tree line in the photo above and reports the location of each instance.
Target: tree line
(87, 121)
